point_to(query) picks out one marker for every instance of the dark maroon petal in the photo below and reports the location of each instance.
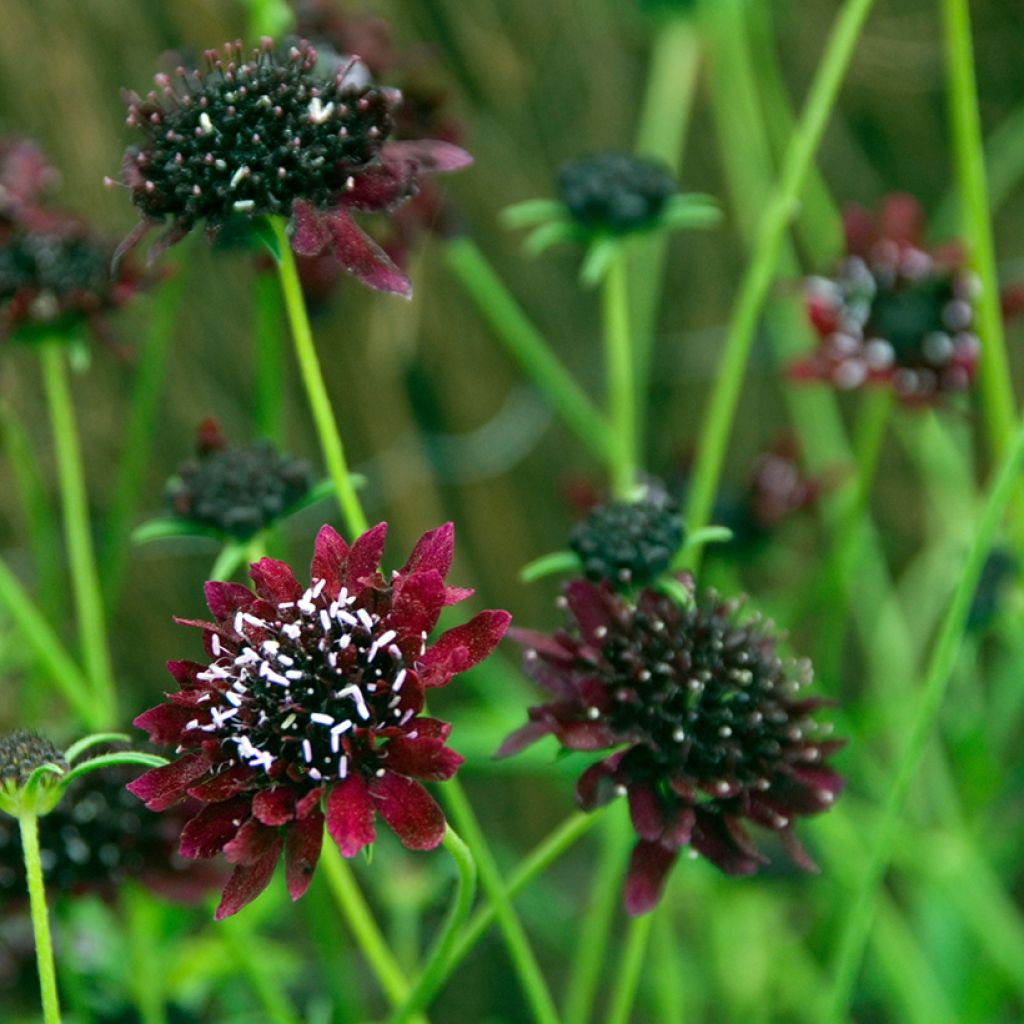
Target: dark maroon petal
(365, 556)
(433, 550)
(251, 843)
(172, 236)
(161, 787)
(330, 560)
(309, 235)
(680, 828)
(224, 599)
(462, 647)
(380, 188)
(223, 785)
(585, 736)
(596, 786)
(416, 605)
(207, 833)
(646, 812)
(184, 673)
(309, 803)
(164, 723)
(248, 881)
(803, 791)
(350, 815)
(590, 605)
(129, 242)
(453, 595)
(423, 758)
(302, 843)
(544, 645)
(274, 581)
(274, 806)
(363, 258)
(740, 838)
(649, 865)
(426, 155)
(523, 737)
(797, 854)
(410, 811)
(711, 839)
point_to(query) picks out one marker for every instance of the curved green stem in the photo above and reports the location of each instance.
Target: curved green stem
(619, 371)
(757, 281)
(528, 972)
(269, 357)
(353, 907)
(316, 390)
(525, 344)
(85, 581)
(856, 927)
(630, 967)
(435, 969)
(28, 823)
(596, 926)
(61, 669)
(994, 379)
(228, 559)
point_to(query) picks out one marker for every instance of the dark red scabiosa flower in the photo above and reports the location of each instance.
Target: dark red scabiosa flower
(706, 719)
(629, 544)
(236, 491)
(98, 837)
(896, 313)
(309, 710)
(25, 175)
(277, 135)
(55, 276)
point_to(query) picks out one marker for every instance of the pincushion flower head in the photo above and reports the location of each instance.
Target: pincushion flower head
(276, 135)
(308, 710)
(896, 313)
(706, 723)
(604, 198)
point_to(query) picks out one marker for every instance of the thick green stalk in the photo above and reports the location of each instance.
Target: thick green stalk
(994, 382)
(856, 927)
(619, 373)
(630, 967)
(60, 667)
(534, 864)
(139, 429)
(528, 972)
(436, 967)
(85, 580)
(28, 823)
(268, 350)
(525, 344)
(356, 911)
(605, 893)
(757, 281)
(316, 391)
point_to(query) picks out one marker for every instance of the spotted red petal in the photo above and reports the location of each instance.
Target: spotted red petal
(274, 581)
(164, 723)
(649, 866)
(363, 258)
(364, 558)
(416, 604)
(309, 233)
(274, 806)
(410, 810)
(350, 815)
(224, 599)
(214, 826)
(330, 559)
(251, 842)
(462, 647)
(434, 550)
(160, 788)
(424, 757)
(247, 881)
(302, 844)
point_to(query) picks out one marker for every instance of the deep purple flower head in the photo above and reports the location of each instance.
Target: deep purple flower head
(309, 710)
(705, 719)
(236, 491)
(277, 135)
(895, 313)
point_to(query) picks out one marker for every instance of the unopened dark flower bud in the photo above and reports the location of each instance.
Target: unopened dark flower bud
(22, 752)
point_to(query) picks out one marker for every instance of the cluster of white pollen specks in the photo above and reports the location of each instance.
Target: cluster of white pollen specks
(308, 688)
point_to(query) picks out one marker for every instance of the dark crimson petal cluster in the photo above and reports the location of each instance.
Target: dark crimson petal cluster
(309, 710)
(706, 720)
(896, 313)
(277, 135)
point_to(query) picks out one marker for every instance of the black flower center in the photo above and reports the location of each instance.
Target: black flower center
(908, 313)
(706, 697)
(309, 691)
(251, 137)
(615, 191)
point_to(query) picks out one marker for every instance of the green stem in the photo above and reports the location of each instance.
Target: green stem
(29, 826)
(525, 344)
(757, 281)
(146, 975)
(85, 581)
(619, 370)
(596, 926)
(528, 972)
(316, 390)
(228, 559)
(356, 911)
(994, 379)
(630, 966)
(61, 669)
(436, 967)
(533, 865)
(139, 429)
(269, 356)
(244, 947)
(856, 927)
